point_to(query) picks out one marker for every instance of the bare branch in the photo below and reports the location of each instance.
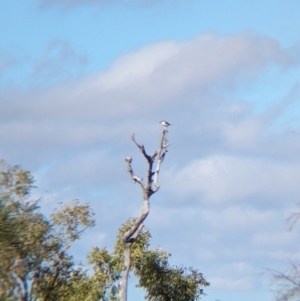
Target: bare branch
(138, 223)
(287, 283)
(135, 178)
(138, 231)
(293, 219)
(141, 148)
(163, 149)
(131, 235)
(125, 272)
(18, 285)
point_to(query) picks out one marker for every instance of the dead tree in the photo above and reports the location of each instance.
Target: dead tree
(149, 186)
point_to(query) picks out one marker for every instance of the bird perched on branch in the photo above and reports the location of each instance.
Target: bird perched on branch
(165, 123)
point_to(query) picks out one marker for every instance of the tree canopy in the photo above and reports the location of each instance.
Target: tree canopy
(36, 265)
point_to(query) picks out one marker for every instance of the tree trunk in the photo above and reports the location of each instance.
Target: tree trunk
(148, 188)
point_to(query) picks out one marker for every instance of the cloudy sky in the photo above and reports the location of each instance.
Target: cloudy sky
(78, 77)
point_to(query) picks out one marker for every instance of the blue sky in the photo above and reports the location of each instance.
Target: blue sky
(78, 77)
(100, 33)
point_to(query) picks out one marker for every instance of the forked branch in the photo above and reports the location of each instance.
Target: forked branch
(163, 149)
(135, 178)
(150, 187)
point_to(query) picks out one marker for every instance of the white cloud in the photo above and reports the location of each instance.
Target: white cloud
(156, 76)
(226, 283)
(238, 218)
(223, 178)
(273, 239)
(242, 134)
(229, 176)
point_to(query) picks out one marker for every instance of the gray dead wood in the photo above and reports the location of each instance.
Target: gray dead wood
(149, 187)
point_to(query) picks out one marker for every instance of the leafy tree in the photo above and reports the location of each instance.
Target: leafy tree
(161, 281)
(34, 264)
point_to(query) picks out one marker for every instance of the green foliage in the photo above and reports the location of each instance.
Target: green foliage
(9, 228)
(14, 182)
(106, 272)
(140, 245)
(34, 264)
(108, 266)
(165, 283)
(161, 281)
(72, 219)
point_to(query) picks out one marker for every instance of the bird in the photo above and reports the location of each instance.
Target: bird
(165, 123)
